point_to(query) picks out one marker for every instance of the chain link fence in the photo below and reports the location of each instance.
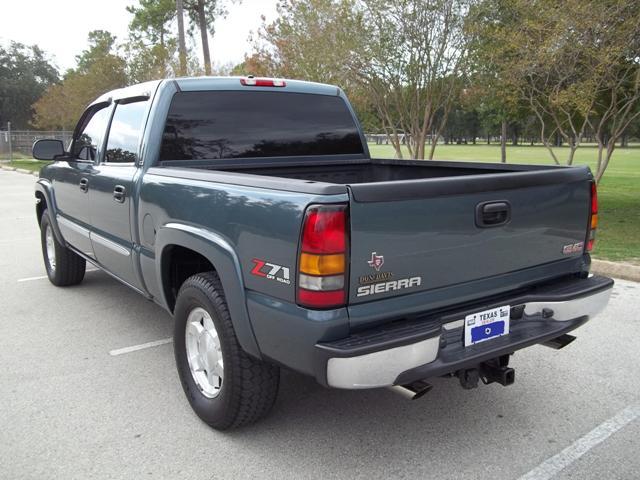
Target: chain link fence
(16, 144)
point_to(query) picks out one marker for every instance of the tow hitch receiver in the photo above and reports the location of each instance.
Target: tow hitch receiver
(495, 370)
(491, 373)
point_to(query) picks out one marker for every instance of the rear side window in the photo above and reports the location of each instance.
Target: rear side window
(124, 134)
(249, 124)
(88, 143)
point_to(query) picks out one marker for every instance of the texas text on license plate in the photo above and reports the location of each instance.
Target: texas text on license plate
(485, 325)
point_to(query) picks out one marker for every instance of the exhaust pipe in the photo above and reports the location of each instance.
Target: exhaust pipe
(412, 391)
(559, 342)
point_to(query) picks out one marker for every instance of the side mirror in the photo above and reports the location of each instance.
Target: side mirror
(47, 149)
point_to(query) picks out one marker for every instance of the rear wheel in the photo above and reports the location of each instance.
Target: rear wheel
(225, 387)
(64, 267)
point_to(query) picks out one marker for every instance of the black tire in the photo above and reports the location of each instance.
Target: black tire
(249, 386)
(69, 267)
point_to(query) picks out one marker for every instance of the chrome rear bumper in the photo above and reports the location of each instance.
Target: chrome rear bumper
(442, 350)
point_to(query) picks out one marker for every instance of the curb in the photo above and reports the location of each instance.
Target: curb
(19, 170)
(625, 271)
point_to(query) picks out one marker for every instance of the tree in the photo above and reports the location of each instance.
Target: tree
(202, 15)
(572, 62)
(152, 44)
(616, 109)
(152, 21)
(99, 70)
(25, 73)
(400, 59)
(182, 49)
(491, 87)
(412, 62)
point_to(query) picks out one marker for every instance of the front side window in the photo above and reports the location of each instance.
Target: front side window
(244, 124)
(87, 144)
(124, 134)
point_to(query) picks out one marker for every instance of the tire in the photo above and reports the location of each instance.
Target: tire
(64, 267)
(237, 392)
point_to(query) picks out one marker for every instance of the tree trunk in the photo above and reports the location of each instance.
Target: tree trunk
(503, 142)
(182, 49)
(488, 138)
(624, 141)
(202, 22)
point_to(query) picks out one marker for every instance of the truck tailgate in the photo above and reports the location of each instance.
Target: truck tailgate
(417, 235)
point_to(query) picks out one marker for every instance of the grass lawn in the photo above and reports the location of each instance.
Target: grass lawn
(27, 164)
(618, 193)
(618, 235)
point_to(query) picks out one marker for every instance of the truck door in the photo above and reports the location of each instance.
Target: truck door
(71, 182)
(111, 196)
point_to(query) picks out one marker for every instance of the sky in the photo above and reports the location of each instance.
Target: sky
(60, 28)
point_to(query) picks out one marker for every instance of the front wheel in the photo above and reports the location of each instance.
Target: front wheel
(225, 387)
(64, 267)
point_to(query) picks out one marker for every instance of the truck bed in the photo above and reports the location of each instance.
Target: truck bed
(440, 224)
(374, 170)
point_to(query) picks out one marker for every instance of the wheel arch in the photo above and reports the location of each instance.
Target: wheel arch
(45, 201)
(202, 250)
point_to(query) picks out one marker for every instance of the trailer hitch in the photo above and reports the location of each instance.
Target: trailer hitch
(495, 370)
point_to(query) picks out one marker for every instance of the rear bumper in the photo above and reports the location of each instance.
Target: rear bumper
(402, 352)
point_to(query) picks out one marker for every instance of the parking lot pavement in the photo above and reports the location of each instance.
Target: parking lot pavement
(70, 409)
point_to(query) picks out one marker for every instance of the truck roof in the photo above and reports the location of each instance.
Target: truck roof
(146, 89)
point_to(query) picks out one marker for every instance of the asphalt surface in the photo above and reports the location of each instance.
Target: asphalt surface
(68, 409)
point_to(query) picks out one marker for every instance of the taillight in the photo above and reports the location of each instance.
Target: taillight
(593, 217)
(262, 82)
(322, 265)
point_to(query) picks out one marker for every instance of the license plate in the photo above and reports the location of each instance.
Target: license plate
(485, 325)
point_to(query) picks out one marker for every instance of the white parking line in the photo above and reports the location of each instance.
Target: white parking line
(552, 466)
(42, 277)
(142, 346)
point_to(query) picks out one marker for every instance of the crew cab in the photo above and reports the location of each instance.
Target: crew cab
(252, 211)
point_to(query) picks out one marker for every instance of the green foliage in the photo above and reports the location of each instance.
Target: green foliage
(562, 61)
(152, 44)
(211, 10)
(99, 70)
(25, 73)
(152, 21)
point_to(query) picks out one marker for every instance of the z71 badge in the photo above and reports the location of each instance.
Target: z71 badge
(271, 271)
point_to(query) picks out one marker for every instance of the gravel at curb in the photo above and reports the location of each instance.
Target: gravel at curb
(622, 270)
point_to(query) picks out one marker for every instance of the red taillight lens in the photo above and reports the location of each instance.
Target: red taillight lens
(324, 230)
(332, 299)
(593, 218)
(323, 257)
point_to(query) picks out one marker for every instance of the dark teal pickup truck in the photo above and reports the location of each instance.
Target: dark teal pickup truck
(251, 210)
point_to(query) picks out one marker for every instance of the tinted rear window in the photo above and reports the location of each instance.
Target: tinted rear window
(235, 124)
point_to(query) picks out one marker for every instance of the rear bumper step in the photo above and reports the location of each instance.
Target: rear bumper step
(403, 352)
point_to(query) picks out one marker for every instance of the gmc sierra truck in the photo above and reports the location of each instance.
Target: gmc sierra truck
(251, 210)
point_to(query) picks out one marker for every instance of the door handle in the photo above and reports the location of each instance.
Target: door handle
(84, 185)
(119, 193)
(493, 214)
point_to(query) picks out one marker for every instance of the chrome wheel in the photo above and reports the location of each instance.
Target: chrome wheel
(204, 353)
(51, 248)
